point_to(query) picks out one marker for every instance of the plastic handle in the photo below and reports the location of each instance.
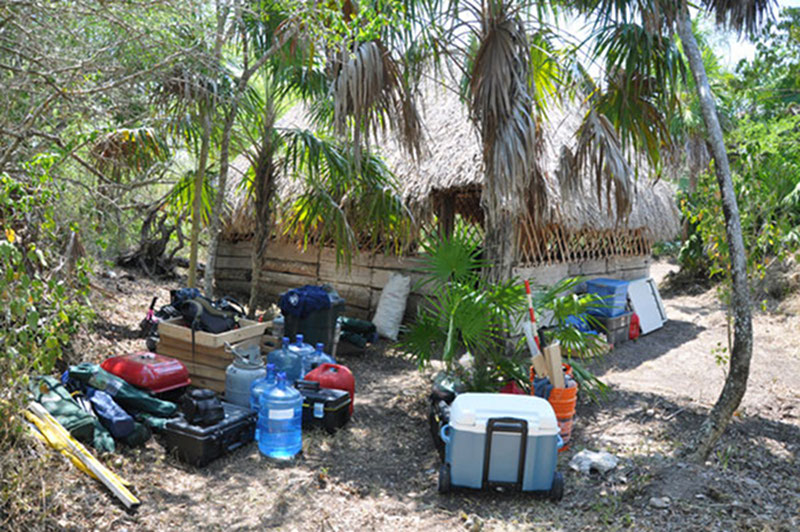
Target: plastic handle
(443, 433)
(559, 441)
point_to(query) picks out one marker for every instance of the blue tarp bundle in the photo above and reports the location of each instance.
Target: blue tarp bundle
(301, 302)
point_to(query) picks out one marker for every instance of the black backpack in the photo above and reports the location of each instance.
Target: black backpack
(202, 315)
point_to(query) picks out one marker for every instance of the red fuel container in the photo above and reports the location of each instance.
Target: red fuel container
(335, 377)
(150, 371)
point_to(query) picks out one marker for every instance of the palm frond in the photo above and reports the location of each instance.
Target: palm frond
(600, 151)
(369, 93)
(129, 150)
(501, 105)
(348, 206)
(740, 15)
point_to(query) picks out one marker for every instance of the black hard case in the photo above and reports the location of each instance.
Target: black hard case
(198, 445)
(323, 407)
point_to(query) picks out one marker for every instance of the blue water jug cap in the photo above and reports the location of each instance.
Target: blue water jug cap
(285, 340)
(282, 379)
(270, 366)
(320, 346)
(299, 338)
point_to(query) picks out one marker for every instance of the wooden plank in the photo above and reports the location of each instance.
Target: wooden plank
(391, 262)
(234, 263)
(354, 296)
(358, 275)
(229, 274)
(205, 372)
(173, 328)
(243, 248)
(590, 267)
(184, 355)
(552, 354)
(291, 252)
(540, 366)
(290, 266)
(286, 279)
(361, 259)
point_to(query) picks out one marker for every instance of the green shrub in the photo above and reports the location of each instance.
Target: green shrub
(44, 292)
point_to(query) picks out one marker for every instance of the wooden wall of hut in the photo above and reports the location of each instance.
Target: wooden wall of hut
(287, 266)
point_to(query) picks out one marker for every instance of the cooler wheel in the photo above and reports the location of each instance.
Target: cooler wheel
(444, 478)
(557, 489)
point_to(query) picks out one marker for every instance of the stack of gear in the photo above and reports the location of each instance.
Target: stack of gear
(358, 332)
(208, 428)
(121, 408)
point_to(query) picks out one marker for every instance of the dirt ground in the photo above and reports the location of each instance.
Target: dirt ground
(380, 472)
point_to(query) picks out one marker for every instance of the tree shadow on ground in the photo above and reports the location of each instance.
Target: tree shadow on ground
(115, 332)
(632, 354)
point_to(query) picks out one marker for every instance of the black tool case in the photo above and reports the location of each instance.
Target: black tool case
(323, 407)
(198, 445)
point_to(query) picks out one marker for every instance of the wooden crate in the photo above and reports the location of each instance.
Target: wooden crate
(208, 360)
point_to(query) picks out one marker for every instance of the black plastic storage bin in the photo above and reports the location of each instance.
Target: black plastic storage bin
(199, 445)
(318, 326)
(323, 407)
(617, 329)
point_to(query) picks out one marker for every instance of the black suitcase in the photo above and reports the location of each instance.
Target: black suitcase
(323, 407)
(199, 445)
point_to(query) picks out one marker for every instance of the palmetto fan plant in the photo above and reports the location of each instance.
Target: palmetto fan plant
(465, 313)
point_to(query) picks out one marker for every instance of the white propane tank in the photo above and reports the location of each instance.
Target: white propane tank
(247, 366)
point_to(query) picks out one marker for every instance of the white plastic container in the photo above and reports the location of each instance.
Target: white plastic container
(501, 440)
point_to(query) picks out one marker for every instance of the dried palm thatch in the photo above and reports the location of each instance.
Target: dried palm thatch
(569, 227)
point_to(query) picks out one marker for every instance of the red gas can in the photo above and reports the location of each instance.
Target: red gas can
(150, 371)
(335, 377)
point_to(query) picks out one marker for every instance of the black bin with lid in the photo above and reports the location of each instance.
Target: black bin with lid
(317, 326)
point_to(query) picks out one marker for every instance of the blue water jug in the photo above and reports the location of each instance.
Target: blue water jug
(280, 421)
(317, 358)
(303, 350)
(286, 361)
(260, 386)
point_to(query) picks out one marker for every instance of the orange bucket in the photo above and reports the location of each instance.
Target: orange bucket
(563, 401)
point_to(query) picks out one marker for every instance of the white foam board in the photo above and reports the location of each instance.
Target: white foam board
(646, 303)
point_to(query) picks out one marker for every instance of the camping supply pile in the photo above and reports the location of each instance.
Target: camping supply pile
(628, 309)
(128, 398)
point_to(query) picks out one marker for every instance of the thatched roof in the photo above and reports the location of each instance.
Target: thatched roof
(453, 164)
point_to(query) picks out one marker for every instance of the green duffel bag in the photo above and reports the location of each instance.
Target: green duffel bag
(129, 397)
(56, 399)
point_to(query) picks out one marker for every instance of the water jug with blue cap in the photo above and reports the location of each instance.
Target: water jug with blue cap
(280, 421)
(286, 361)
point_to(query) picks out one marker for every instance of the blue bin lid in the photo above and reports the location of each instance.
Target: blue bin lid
(602, 281)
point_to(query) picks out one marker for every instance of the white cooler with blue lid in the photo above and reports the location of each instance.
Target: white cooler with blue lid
(495, 440)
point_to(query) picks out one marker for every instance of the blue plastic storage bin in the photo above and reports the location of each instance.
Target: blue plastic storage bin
(614, 293)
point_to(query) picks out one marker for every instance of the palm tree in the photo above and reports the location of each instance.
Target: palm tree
(655, 21)
(635, 40)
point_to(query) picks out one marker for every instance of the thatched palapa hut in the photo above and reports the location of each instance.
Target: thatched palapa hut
(581, 235)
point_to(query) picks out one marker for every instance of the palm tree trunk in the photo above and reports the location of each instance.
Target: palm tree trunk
(736, 382)
(199, 179)
(499, 245)
(263, 189)
(219, 198)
